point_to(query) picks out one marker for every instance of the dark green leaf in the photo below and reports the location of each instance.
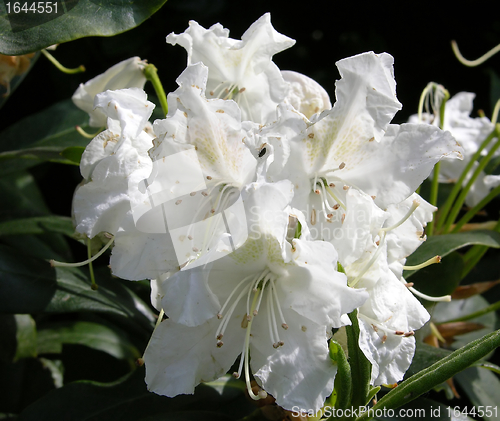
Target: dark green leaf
(31, 285)
(425, 356)
(23, 382)
(443, 245)
(73, 154)
(41, 137)
(24, 33)
(97, 336)
(441, 278)
(25, 337)
(129, 400)
(38, 225)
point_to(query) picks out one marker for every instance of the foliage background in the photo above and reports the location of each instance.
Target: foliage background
(418, 35)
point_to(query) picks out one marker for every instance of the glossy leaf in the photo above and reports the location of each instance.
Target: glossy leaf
(449, 273)
(31, 285)
(38, 225)
(41, 137)
(26, 337)
(425, 356)
(443, 245)
(94, 335)
(129, 400)
(74, 19)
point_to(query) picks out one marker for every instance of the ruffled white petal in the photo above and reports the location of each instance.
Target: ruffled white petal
(126, 74)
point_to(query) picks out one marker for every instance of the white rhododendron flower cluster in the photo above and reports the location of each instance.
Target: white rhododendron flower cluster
(263, 215)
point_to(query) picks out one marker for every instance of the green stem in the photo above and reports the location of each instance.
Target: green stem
(461, 198)
(436, 374)
(486, 310)
(470, 214)
(60, 67)
(435, 177)
(151, 73)
(93, 284)
(458, 185)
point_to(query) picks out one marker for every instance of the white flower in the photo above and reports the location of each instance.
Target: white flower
(469, 133)
(191, 200)
(374, 254)
(113, 158)
(126, 74)
(354, 146)
(305, 94)
(268, 300)
(240, 70)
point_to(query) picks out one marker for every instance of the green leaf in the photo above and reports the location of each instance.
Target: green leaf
(94, 335)
(31, 285)
(360, 366)
(443, 245)
(437, 373)
(24, 33)
(23, 383)
(129, 400)
(483, 389)
(425, 356)
(41, 137)
(25, 337)
(457, 309)
(73, 154)
(38, 225)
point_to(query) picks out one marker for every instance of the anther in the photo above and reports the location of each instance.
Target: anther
(236, 375)
(281, 343)
(219, 336)
(209, 177)
(262, 394)
(409, 284)
(346, 187)
(219, 316)
(384, 338)
(317, 191)
(310, 135)
(313, 217)
(276, 345)
(190, 237)
(342, 166)
(242, 90)
(195, 250)
(219, 344)
(336, 206)
(284, 326)
(329, 215)
(399, 332)
(178, 202)
(255, 312)
(410, 333)
(204, 193)
(332, 185)
(375, 328)
(192, 193)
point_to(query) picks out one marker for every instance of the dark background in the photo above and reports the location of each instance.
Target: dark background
(417, 34)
